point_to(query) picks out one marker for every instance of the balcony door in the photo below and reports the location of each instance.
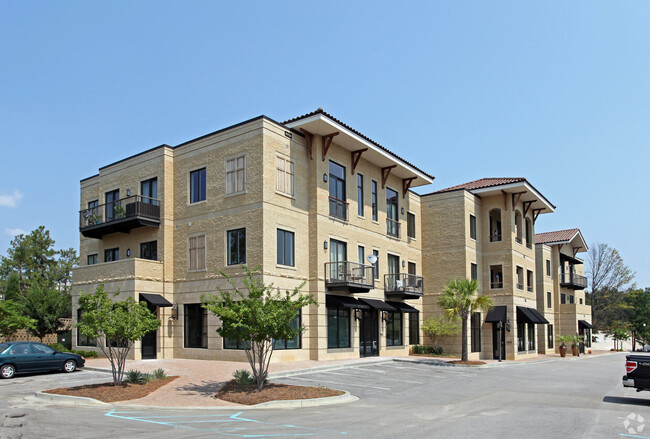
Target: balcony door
(112, 204)
(338, 254)
(149, 191)
(392, 212)
(393, 272)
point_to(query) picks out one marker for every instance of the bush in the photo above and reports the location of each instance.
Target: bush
(137, 377)
(58, 347)
(158, 374)
(242, 376)
(420, 349)
(86, 354)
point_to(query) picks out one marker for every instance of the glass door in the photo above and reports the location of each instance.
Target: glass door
(112, 204)
(369, 333)
(338, 254)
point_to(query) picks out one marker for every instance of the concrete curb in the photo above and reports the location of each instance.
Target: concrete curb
(293, 403)
(97, 369)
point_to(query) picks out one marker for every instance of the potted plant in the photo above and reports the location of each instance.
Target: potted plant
(575, 343)
(563, 340)
(119, 211)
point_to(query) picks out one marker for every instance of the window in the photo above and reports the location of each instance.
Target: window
(549, 300)
(338, 253)
(394, 329)
(112, 205)
(518, 227)
(93, 213)
(476, 331)
(392, 219)
(83, 340)
(414, 328)
(529, 233)
(236, 175)
(474, 271)
(374, 200)
(529, 280)
(92, 259)
(531, 336)
(375, 266)
(472, 226)
(571, 300)
(410, 225)
(338, 327)
(149, 250)
(361, 251)
(284, 176)
(149, 191)
(236, 241)
(196, 326)
(581, 301)
(411, 268)
(197, 252)
(338, 203)
(520, 278)
(496, 276)
(197, 185)
(229, 343)
(360, 206)
(285, 245)
(293, 343)
(495, 225)
(548, 267)
(521, 336)
(550, 336)
(562, 298)
(111, 254)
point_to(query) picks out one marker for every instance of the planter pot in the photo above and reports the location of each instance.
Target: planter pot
(562, 351)
(574, 350)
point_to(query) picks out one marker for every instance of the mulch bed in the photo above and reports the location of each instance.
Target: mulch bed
(107, 392)
(249, 395)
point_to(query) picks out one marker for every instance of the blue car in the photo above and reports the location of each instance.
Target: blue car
(28, 356)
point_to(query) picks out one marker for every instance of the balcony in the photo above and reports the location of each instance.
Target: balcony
(392, 228)
(338, 208)
(403, 286)
(119, 216)
(573, 281)
(496, 237)
(496, 285)
(350, 276)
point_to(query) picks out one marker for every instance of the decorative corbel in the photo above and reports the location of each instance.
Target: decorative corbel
(327, 142)
(356, 156)
(527, 205)
(385, 172)
(309, 137)
(406, 185)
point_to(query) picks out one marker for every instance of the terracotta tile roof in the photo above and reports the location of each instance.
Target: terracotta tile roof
(323, 112)
(557, 236)
(482, 183)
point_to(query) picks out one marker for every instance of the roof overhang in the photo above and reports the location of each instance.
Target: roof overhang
(527, 191)
(577, 241)
(322, 125)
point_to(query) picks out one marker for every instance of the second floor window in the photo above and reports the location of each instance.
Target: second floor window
(236, 175)
(111, 254)
(149, 250)
(375, 266)
(285, 248)
(392, 218)
(284, 176)
(548, 267)
(473, 271)
(549, 301)
(472, 226)
(196, 252)
(236, 246)
(374, 200)
(410, 225)
(360, 206)
(92, 259)
(197, 186)
(563, 298)
(338, 203)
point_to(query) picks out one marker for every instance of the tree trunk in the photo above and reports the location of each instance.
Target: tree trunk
(463, 333)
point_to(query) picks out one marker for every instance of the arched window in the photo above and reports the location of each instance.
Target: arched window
(518, 227)
(495, 225)
(529, 233)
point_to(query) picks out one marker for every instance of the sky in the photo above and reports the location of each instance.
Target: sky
(557, 92)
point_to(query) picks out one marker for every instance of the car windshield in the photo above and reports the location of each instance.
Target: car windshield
(4, 346)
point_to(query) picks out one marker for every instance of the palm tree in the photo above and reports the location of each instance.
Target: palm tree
(460, 299)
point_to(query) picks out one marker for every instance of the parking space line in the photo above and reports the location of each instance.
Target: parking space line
(333, 382)
(385, 379)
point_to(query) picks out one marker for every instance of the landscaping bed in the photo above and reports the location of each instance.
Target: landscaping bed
(248, 394)
(107, 392)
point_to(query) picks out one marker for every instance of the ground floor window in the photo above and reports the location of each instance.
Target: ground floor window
(83, 340)
(414, 328)
(338, 327)
(394, 329)
(531, 336)
(476, 331)
(550, 336)
(588, 338)
(521, 336)
(231, 343)
(293, 343)
(196, 326)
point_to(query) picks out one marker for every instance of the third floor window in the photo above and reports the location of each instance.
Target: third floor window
(472, 226)
(236, 175)
(284, 176)
(149, 191)
(410, 225)
(360, 207)
(197, 186)
(236, 246)
(338, 203)
(392, 213)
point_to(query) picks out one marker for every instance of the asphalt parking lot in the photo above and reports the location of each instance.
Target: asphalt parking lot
(556, 399)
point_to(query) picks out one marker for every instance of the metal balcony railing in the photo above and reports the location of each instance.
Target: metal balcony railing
(495, 237)
(338, 208)
(346, 274)
(392, 227)
(403, 284)
(120, 215)
(495, 284)
(572, 280)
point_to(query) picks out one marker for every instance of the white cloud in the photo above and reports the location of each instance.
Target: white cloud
(15, 232)
(10, 200)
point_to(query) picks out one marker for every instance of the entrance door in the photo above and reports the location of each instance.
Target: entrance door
(369, 333)
(581, 332)
(149, 340)
(495, 343)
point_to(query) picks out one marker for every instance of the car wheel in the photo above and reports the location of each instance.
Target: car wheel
(7, 371)
(69, 366)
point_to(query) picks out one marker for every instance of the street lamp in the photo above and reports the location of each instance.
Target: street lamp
(500, 327)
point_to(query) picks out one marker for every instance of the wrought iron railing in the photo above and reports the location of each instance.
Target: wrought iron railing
(347, 273)
(571, 278)
(392, 227)
(338, 208)
(403, 283)
(135, 206)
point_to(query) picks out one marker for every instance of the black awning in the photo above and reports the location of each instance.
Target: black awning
(497, 314)
(333, 301)
(155, 300)
(524, 314)
(584, 324)
(540, 318)
(404, 307)
(379, 305)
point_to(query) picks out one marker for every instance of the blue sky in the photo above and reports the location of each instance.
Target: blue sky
(557, 92)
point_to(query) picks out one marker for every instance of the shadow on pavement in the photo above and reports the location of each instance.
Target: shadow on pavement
(626, 400)
(204, 388)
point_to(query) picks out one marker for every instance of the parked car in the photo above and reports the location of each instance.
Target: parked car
(638, 372)
(29, 356)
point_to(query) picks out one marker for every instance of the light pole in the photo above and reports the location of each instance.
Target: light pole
(500, 326)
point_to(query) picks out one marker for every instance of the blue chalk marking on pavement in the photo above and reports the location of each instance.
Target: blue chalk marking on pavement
(182, 421)
(634, 435)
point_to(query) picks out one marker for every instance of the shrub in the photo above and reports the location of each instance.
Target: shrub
(420, 349)
(135, 376)
(158, 374)
(86, 354)
(58, 347)
(242, 376)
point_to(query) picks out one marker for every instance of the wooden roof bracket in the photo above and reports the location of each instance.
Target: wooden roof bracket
(406, 185)
(356, 156)
(327, 142)
(527, 205)
(575, 251)
(385, 172)
(536, 213)
(309, 137)
(515, 198)
(505, 200)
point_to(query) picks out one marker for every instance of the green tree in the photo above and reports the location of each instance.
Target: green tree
(638, 310)
(258, 316)
(12, 287)
(46, 306)
(32, 257)
(12, 320)
(115, 325)
(439, 327)
(62, 271)
(459, 299)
